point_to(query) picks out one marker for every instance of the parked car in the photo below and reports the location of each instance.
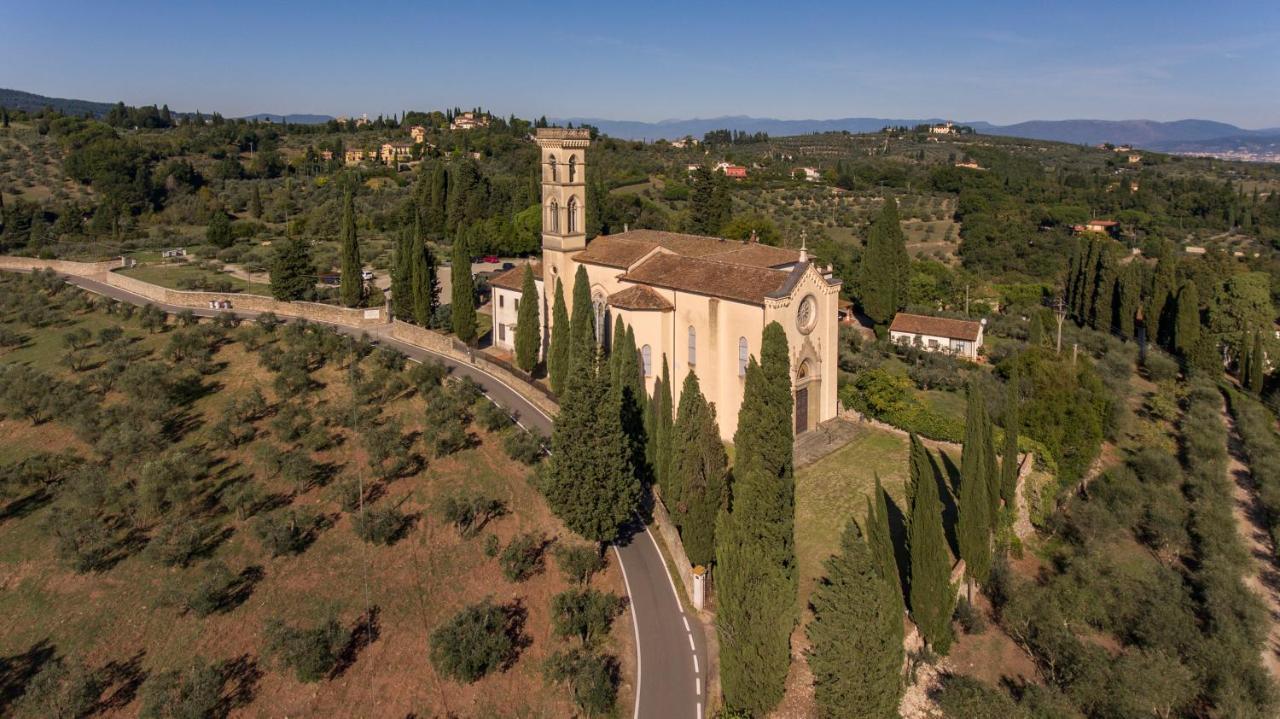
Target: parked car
(491, 259)
(367, 276)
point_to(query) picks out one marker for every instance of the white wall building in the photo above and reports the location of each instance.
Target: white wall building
(506, 304)
(962, 338)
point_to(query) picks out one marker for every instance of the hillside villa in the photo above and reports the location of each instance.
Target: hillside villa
(469, 121)
(962, 338)
(1106, 227)
(418, 133)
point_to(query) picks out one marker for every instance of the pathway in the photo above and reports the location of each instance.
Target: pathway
(671, 653)
(1250, 522)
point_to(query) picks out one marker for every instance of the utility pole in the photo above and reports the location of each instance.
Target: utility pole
(1060, 311)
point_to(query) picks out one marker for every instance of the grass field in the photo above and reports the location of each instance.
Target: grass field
(171, 275)
(123, 621)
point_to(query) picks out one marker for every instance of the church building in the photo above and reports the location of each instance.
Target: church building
(701, 303)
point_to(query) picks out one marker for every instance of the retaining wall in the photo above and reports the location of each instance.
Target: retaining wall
(66, 267)
(671, 538)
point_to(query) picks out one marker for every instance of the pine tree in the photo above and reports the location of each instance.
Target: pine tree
(755, 543)
(880, 539)
(885, 267)
(1009, 460)
(582, 322)
(855, 636)
(558, 353)
(292, 273)
(698, 465)
(463, 312)
(351, 291)
(528, 333)
(423, 280)
(590, 485)
(974, 530)
(402, 277)
(932, 594)
(1186, 333)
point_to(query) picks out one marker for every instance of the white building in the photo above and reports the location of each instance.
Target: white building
(946, 128)
(938, 334)
(811, 174)
(506, 304)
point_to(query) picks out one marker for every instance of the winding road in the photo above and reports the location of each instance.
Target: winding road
(671, 661)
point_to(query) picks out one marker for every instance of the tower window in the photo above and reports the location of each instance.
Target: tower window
(573, 215)
(573, 167)
(554, 216)
(555, 171)
(646, 360)
(742, 356)
(693, 346)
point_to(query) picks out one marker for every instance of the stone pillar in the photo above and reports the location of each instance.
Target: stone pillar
(699, 586)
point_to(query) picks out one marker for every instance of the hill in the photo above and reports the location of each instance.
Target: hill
(31, 102)
(300, 118)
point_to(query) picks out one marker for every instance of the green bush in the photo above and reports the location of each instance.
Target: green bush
(522, 446)
(310, 652)
(482, 638)
(579, 562)
(522, 557)
(182, 694)
(592, 678)
(587, 614)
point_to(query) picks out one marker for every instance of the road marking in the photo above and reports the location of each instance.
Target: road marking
(686, 624)
(635, 625)
(697, 686)
(695, 649)
(699, 714)
(695, 664)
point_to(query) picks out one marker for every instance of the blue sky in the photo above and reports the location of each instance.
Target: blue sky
(997, 61)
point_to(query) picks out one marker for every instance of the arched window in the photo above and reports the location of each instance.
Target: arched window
(600, 306)
(646, 360)
(573, 167)
(555, 171)
(553, 219)
(693, 346)
(573, 215)
(742, 356)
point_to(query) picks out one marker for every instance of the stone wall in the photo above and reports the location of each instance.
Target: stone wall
(671, 538)
(66, 267)
(313, 311)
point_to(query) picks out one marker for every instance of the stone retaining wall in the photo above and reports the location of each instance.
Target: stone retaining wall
(671, 538)
(373, 317)
(66, 267)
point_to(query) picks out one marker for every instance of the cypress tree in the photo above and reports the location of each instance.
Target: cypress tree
(920, 469)
(634, 405)
(255, 202)
(885, 267)
(617, 354)
(1186, 333)
(755, 544)
(463, 313)
(528, 333)
(582, 325)
(1162, 288)
(1104, 305)
(558, 353)
(974, 529)
(292, 273)
(698, 466)
(423, 280)
(590, 485)
(855, 636)
(351, 290)
(880, 539)
(991, 463)
(932, 594)
(651, 431)
(1257, 366)
(663, 412)
(1130, 297)
(402, 278)
(1009, 461)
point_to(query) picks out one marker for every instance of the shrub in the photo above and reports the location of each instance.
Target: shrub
(470, 513)
(481, 638)
(492, 417)
(183, 694)
(180, 541)
(286, 531)
(523, 557)
(1160, 367)
(522, 446)
(61, 690)
(963, 697)
(492, 545)
(969, 617)
(310, 652)
(579, 562)
(592, 678)
(586, 614)
(381, 525)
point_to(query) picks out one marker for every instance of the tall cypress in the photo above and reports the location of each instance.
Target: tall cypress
(351, 290)
(755, 543)
(1130, 297)
(880, 539)
(1257, 365)
(1158, 316)
(634, 404)
(975, 507)
(920, 469)
(663, 416)
(1009, 460)
(528, 332)
(932, 594)
(1186, 333)
(855, 635)
(698, 465)
(402, 277)
(885, 267)
(462, 314)
(424, 279)
(558, 353)
(582, 322)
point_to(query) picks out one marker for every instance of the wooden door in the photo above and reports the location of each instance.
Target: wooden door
(802, 410)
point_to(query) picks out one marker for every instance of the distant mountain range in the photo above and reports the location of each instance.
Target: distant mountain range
(1197, 136)
(1142, 133)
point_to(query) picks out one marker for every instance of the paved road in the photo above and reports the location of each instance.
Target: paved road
(671, 660)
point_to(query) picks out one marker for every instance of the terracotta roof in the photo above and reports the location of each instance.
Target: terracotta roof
(626, 248)
(708, 277)
(936, 326)
(513, 279)
(1103, 223)
(639, 298)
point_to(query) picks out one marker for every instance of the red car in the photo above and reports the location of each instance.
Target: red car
(490, 259)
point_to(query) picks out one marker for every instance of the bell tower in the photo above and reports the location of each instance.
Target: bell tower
(564, 170)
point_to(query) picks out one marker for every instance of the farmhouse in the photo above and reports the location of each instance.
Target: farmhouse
(811, 174)
(418, 133)
(469, 121)
(698, 304)
(1106, 227)
(395, 152)
(938, 334)
(352, 156)
(507, 288)
(946, 128)
(729, 169)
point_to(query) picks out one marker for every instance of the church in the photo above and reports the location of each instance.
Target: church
(701, 303)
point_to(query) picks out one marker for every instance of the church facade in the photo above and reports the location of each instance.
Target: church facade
(699, 303)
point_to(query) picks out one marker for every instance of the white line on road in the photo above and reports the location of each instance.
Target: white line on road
(686, 624)
(697, 686)
(695, 663)
(635, 625)
(699, 714)
(695, 649)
